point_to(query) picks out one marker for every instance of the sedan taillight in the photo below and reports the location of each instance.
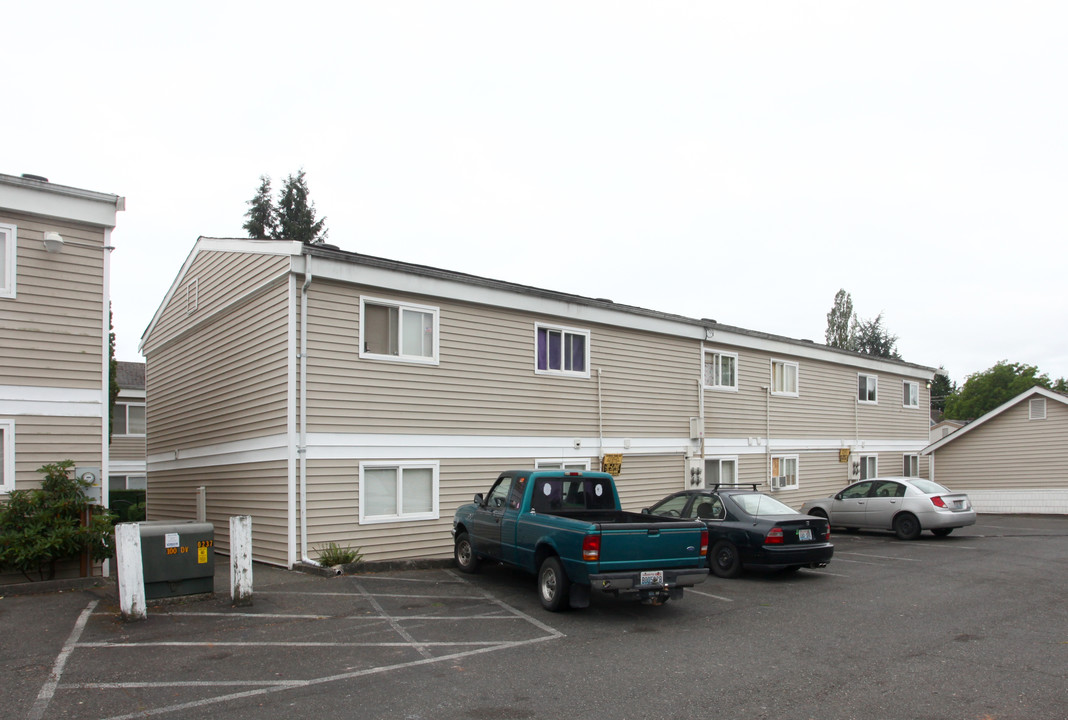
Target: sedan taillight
(939, 502)
(774, 537)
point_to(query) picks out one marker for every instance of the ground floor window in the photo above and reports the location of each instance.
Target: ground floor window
(869, 466)
(784, 472)
(127, 482)
(392, 491)
(7, 455)
(721, 471)
(911, 466)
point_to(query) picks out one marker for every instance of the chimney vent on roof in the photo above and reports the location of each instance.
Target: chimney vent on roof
(28, 176)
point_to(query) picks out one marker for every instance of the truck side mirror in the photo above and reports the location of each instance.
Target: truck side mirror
(645, 511)
(478, 499)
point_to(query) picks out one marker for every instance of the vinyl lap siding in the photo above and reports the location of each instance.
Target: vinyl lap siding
(1009, 452)
(220, 278)
(485, 382)
(226, 383)
(256, 489)
(44, 440)
(51, 333)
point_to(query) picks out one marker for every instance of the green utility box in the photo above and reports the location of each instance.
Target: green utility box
(177, 558)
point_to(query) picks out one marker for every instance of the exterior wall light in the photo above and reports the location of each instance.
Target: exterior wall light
(53, 242)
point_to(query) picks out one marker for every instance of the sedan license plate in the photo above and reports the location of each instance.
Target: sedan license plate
(653, 577)
(804, 534)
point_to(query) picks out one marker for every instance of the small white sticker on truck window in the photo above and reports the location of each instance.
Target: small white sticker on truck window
(598, 490)
(547, 489)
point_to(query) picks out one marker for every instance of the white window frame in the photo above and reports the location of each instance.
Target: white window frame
(796, 392)
(565, 464)
(126, 405)
(864, 461)
(910, 394)
(400, 466)
(797, 470)
(719, 461)
(433, 359)
(715, 357)
(7, 455)
(565, 331)
(9, 240)
(908, 462)
(871, 384)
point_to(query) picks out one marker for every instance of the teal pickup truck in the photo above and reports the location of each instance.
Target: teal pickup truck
(568, 529)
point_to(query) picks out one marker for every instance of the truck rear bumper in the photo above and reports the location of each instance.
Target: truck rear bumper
(632, 581)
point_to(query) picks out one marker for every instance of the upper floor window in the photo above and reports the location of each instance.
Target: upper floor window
(8, 241)
(562, 351)
(911, 398)
(784, 378)
(392, 491)
(7, 455)
(129, 419)
(721, 370)
(398, 331)
(867, 388)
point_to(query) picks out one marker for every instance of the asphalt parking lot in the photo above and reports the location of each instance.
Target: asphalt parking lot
(973, 626)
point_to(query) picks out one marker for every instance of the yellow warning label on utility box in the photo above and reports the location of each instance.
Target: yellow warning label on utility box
(202, 555)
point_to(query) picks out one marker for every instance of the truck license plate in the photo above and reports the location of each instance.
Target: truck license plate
(804, 534)
(653, 577)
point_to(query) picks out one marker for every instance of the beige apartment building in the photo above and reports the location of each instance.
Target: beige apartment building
(338, 397)
(55, 244)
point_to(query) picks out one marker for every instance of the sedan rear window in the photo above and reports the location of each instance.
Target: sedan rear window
(926, 486)
(759, 504)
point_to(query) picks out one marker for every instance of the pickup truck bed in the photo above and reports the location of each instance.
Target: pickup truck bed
(568, 528)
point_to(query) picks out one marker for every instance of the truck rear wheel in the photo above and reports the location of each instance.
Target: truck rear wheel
(464, 554)
(553, 585)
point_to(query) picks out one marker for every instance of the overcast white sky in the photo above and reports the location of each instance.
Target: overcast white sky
(736, 161)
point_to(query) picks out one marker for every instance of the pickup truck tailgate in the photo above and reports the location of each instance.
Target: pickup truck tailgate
(651, 545)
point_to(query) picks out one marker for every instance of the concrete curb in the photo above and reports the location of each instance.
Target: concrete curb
(51, 586)
(358, 568)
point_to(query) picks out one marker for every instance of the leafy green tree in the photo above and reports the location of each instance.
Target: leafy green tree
(113, 373)
(942, 389)
(1061, 385)
(984, 391)
(262, 220)
(871, 338)
(839, 321)
(296, 213)
(41, 527)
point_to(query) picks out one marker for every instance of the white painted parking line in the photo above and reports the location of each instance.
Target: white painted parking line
(881, 557)
(704, 594)
(856, 562)
(49, 689)
(826, 572)
(482, 605)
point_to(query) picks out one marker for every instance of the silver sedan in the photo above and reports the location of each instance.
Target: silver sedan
(908, 506)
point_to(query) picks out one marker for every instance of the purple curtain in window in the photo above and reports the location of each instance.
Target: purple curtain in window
(543, 349)
(577, 361)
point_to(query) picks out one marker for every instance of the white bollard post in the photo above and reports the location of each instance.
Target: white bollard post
(241, 560)
(131, 574)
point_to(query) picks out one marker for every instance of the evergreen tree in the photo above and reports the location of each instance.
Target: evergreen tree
(871, 338)
(296, 213)
(942, 389)
(262, 220)
(839, 321)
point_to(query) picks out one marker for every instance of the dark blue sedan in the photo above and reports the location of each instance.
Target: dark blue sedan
(747, 528)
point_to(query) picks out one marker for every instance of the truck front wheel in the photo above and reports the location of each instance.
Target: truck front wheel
(464, 554)
(553, 585)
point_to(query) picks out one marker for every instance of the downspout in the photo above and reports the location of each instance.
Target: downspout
(767, 434)
(600, 417)
(302, 450)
